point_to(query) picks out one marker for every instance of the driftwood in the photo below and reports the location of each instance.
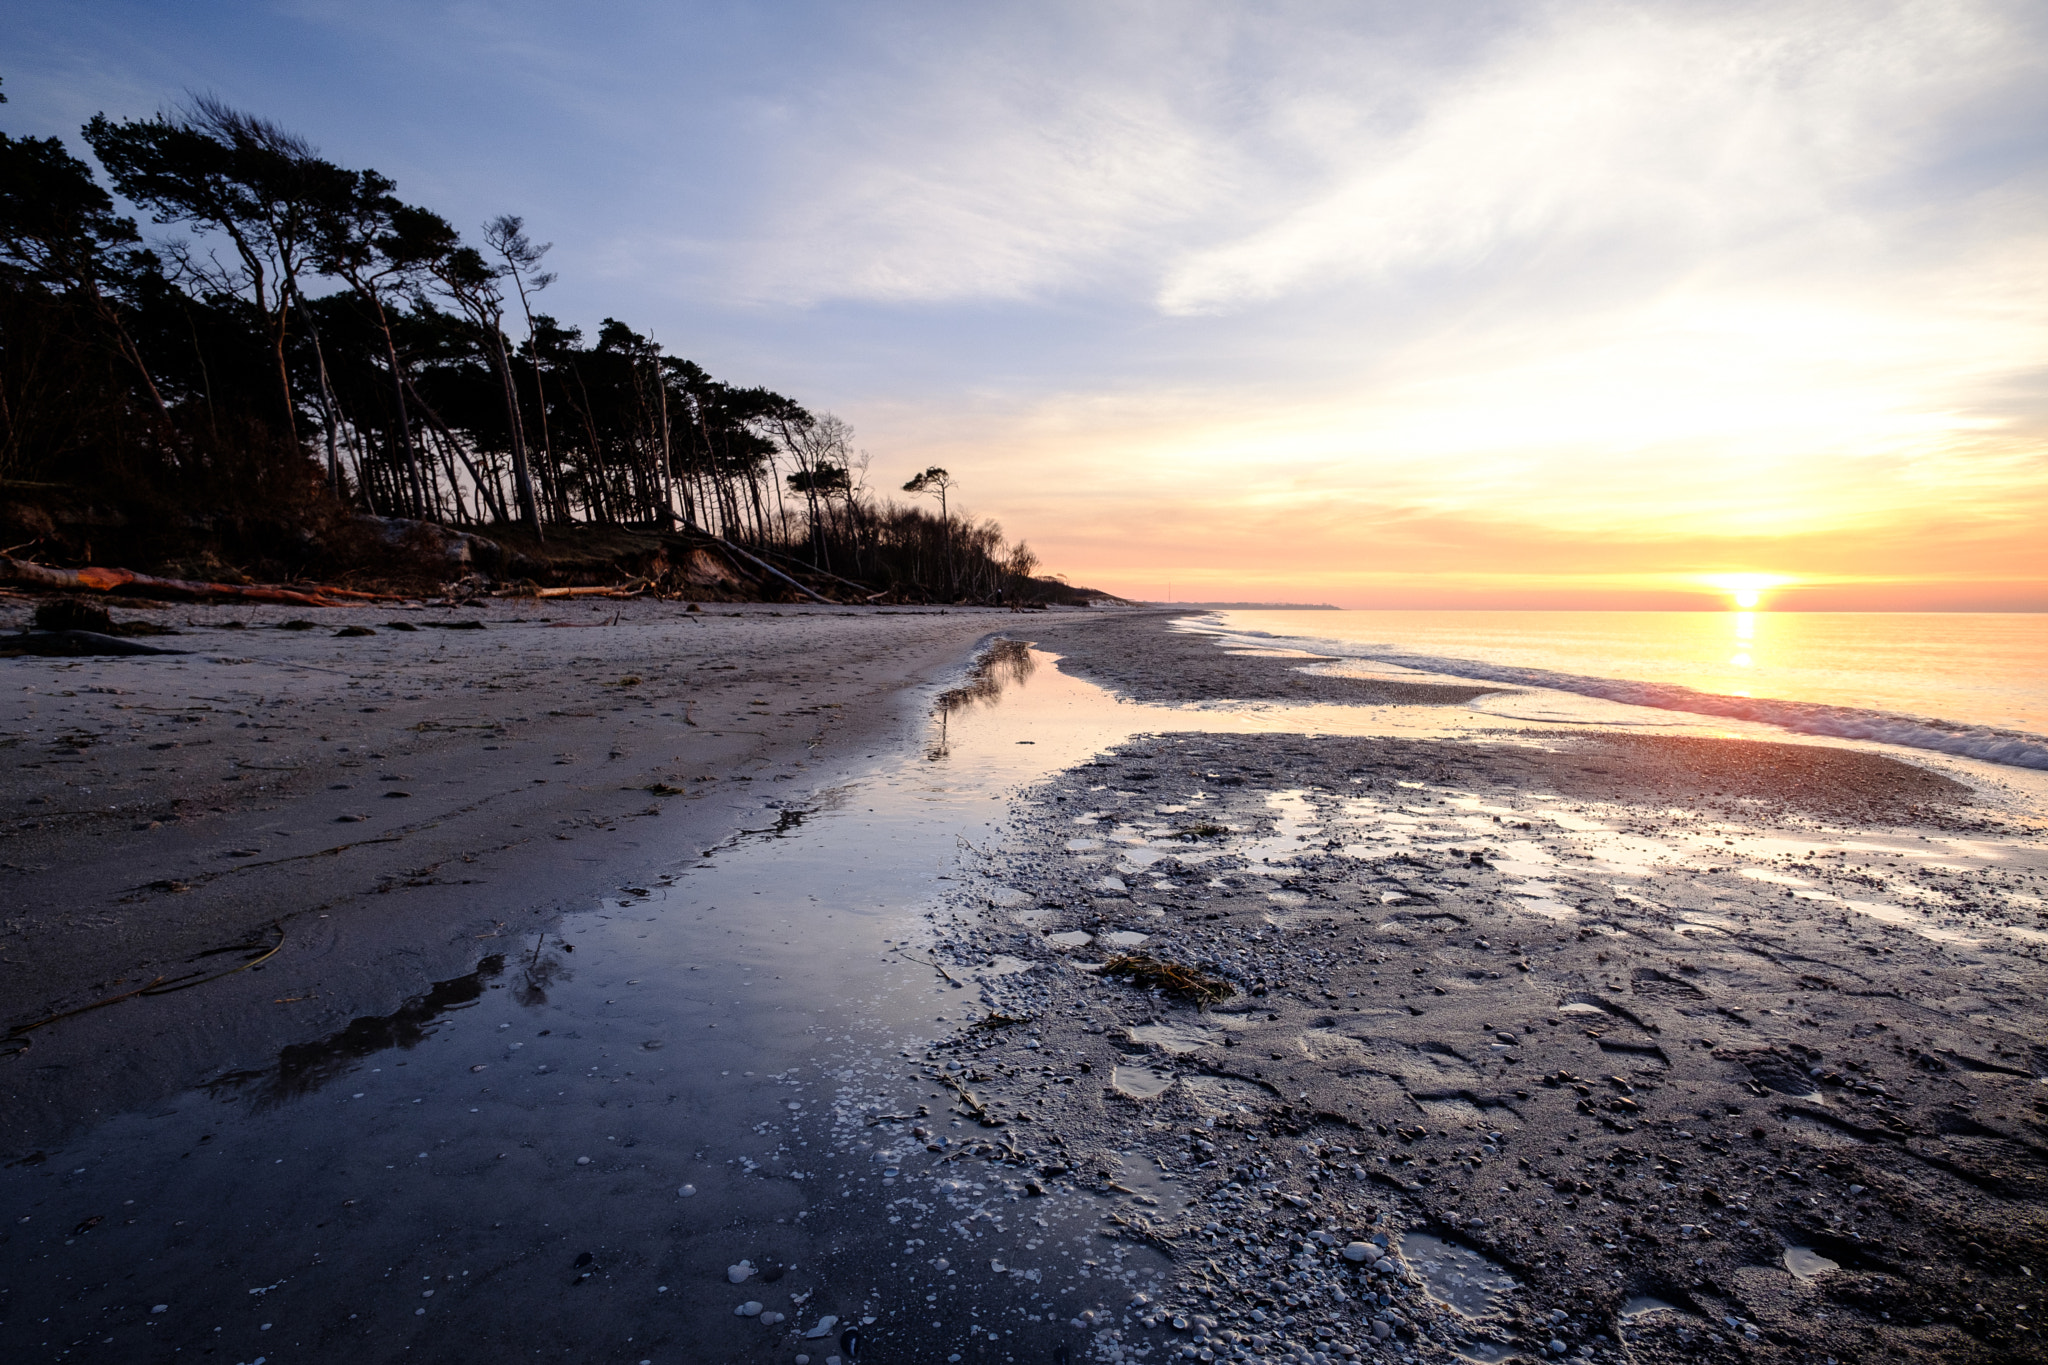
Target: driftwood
(632, 588)
(22, 573)
(866, 589)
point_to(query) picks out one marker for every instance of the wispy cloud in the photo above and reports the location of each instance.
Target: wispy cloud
(1482, 284)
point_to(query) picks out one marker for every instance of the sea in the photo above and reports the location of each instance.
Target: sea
(1973, 684)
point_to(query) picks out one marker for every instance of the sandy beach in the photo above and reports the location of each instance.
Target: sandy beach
(1118, 996)
(382, 808)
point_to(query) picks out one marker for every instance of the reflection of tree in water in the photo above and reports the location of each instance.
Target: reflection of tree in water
(1006, 663)
(539, 973)
(305, 1067)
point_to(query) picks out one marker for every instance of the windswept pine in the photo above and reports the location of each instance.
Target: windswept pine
(296, 344)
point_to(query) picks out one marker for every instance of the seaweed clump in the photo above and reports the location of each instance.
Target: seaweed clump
(1169, 978)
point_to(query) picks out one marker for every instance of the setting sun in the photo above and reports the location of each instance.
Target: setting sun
(1746, 590)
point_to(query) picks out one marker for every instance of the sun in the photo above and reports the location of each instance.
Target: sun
(1746, 590)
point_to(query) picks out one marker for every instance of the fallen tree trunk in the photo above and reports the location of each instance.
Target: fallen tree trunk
(22, 573)
(635, 588)
(758, 562)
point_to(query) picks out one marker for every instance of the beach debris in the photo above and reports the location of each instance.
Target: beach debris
(72, 628)
(632, 587)
(21, 573)
(71, 613)
(1169, 978)
(979, 1111)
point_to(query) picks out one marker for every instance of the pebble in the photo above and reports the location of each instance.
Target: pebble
(582, 1161)
(686, 1191)
(739, 1274)
(824, 1327)
(1358, 1251)
(750, 1309)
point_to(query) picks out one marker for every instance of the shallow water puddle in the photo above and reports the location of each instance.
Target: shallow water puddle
(1223, 1095)
(1457, 1275)
(1179, 1039)
(1805, 1262)
(1140, 1082)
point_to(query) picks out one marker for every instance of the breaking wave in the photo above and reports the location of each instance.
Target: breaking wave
(2015, 748)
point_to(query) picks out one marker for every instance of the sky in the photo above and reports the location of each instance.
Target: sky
(1551, 303)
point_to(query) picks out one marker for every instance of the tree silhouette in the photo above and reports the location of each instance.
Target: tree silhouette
(290, 295)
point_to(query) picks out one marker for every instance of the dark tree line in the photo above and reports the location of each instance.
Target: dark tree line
(296, 334)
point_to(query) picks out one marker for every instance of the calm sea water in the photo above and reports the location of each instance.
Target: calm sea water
(1966, 683)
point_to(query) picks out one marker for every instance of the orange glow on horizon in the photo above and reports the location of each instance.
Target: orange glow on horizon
(1746, 590)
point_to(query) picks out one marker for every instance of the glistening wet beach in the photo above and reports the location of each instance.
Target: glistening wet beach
(442, 1174)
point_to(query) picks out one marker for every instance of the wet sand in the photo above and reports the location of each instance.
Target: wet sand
(381, 809)
(1643, 1047)
(1695, 1008)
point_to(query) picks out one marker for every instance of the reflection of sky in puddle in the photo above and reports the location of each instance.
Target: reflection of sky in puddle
(1175, 1038)
(1162, 1192)
(1139, 1082)
(1223, 1095)
(1806, 1263)
(1456, 1275)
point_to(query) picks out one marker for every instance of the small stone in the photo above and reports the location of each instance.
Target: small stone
(161, 1308)
(823, 1329)
(750, 1309)
(686, 1191)
(1359, 1251)
(582, 1161)
(739, 1274)
(1556, 1347)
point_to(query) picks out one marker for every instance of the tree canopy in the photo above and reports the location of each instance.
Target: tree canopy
(294, 331)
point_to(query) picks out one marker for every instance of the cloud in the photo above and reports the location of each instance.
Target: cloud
(1610, 132)
(1168, 279)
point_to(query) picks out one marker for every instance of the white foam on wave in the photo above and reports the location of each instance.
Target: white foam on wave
(2015, 748)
